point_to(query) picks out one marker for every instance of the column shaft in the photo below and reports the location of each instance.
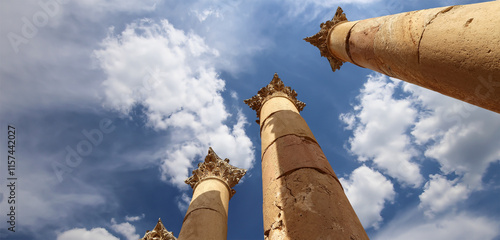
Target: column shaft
(206, 217)
(303, 198)
(451, 50)
(212, 183)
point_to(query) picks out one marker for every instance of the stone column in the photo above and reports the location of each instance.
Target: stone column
(159, 233)
(212, 183)
(303, 198)
(451, 50)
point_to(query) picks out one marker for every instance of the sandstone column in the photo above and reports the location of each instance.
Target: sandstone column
(212, 184)
(303, 199)
(451, 50)
(159, 233)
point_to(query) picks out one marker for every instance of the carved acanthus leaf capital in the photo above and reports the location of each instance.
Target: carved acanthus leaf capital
(159, 233)
(215, 167)
(320, 39)
(276, 85)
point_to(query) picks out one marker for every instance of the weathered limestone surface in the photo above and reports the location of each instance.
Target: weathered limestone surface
(290, 153)
(283, 123)
(282, 103)
(338, 49)
(307, 204)
(217, 202)
(212, 183)
(303, 198)
(452, 50)
(206, 217)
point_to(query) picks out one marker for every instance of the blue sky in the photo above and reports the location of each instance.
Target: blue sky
(114, 103)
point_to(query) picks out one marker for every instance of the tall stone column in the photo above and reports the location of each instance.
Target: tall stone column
(212, 183)
(303, 198)
(451, 50)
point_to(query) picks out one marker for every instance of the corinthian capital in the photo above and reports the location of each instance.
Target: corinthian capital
(274, 88)
(159, 233)
(320, 39)
(215, 167)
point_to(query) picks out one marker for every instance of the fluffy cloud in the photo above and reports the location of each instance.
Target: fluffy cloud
(134, 218)
(171, 74)
(84, 234)
(388, 130)
(183, 202)
(453, 226)
(380, 127)
(368, 191)
(440, 194)
(463, 138)
(126, 229)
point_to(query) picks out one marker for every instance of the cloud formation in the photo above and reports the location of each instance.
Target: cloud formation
(126, 229)
(400, 131)
(451, 226)
(134, 218)
(463, 138)
(440, 194)
(84, 234)
(379, 124)
(368, 191)
(170, 73)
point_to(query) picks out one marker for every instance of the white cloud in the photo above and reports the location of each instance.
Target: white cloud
(349, 119)
(171, 74)
(45, 201)
(440, 194)
(84, 234)
(388, 130)
(234, 95)
(368, 191)
(134, 218)
(463, 226)
(463, 138)
(119, 6)
(126, 229)
(183, 202)
(380, 130)
(230, 27)
(204, 14)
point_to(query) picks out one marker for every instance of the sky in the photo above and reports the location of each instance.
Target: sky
(114, 103)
